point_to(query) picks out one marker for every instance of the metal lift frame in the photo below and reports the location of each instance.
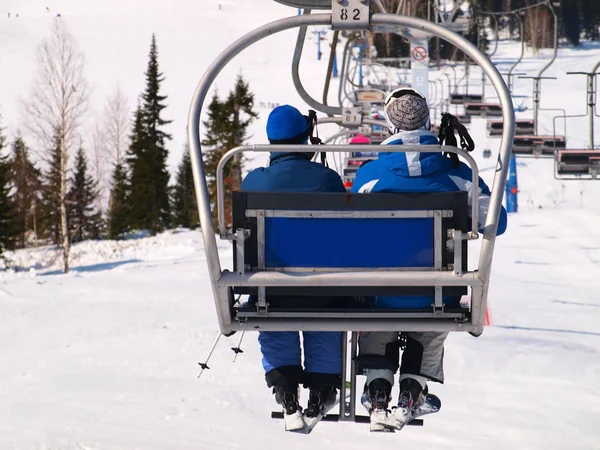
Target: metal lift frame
(222, 280)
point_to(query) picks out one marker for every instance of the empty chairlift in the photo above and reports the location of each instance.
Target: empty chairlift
(461, 99)
(538, 146)
(577, 164)
(523, 127)
(483, 109)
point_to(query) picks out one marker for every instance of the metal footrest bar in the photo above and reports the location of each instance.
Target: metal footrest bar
(336, 418)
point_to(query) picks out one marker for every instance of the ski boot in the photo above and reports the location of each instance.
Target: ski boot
(411, 404)
(376, 398)
(287, 396)
(320, 401)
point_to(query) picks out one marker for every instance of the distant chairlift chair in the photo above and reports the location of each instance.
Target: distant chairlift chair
(577, 165)
(523, 127)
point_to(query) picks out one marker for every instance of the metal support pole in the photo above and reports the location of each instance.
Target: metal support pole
(353, 355)
(331, 68)
(522, 36)
(536, 104)
(591, 95)
(592, 101)
(329, 110)
(539, 75)
(360, 65)
(344, 351)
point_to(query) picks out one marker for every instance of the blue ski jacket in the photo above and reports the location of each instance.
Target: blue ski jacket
(295, 172)
(420, 172)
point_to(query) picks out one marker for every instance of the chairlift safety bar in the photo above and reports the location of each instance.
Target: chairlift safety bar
(346, 149)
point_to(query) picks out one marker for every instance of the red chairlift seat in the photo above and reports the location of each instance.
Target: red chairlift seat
(538, 146)
(523, 127)
(460, 99)
(483, 109)
(578, 162)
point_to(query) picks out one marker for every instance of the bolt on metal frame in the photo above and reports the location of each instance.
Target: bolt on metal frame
(221, 281)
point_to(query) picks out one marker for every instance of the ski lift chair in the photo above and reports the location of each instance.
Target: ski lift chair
(272, 257)
(483, 109)
(523, 127)
(577, 165)
(537, 146)
(461, 99)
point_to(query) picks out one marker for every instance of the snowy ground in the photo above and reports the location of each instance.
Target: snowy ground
(106, 356)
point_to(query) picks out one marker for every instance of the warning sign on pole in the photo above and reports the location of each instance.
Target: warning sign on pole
(419, 56)
(419, 53)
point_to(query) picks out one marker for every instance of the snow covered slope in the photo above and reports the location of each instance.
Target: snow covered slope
(106, 357)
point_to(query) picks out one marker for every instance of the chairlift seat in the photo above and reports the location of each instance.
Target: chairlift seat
(483, 109)
(460, 99)
(323, 232)
(580, 163)
(523, 127)
(553, 142)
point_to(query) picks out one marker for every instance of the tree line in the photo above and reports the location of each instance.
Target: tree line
(577, 19)
(51, 190)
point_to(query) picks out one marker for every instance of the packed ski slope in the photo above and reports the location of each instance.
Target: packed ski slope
(106, 357)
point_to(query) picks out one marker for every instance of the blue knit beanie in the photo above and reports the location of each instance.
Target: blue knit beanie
(286, 123)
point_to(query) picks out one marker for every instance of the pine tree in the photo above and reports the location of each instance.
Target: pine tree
(25, 178)
(241, 104)
(8, 228)
(185, 207)
(85, 222)
(571, 21)
(50, 216)
(214, 147)
(227, 128)
(118, 210)
(148, 155)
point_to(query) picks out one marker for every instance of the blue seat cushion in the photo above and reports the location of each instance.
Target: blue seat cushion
(349, 242)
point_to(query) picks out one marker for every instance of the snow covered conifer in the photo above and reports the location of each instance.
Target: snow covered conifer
(227, 128)
(25, 179)
(50, 210)
(8, 229)
(147, 156)
(118, 206)
(185, 209)
(85, 222)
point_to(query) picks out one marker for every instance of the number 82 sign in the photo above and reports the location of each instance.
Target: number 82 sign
(350, 14)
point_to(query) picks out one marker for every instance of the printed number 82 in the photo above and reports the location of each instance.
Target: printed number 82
(344, 15)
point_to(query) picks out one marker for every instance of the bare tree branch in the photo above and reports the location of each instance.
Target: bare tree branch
(56, 106)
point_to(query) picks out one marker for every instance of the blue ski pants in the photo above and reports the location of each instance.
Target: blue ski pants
(322, 350)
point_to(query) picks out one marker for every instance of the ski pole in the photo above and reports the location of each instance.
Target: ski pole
(204, 365)
(237, 349)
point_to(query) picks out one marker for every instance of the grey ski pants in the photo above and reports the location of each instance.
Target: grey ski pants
(423, 355)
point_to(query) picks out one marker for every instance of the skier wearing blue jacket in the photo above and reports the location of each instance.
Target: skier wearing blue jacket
(407, 117)
(295, 172)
